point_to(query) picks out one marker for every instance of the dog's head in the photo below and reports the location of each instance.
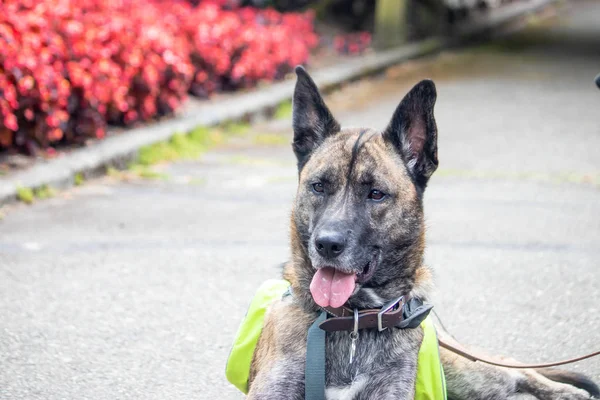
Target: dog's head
(357, 221)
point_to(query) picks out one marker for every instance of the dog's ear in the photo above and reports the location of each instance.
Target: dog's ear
(413, 132)
(312, 120)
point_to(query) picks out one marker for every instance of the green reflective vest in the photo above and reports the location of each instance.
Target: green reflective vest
(430, 383)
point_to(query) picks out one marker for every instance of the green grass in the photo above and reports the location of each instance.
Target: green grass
(234, 128)
(135, 171)
(146, 172)
(78, 180)
(283, 110)
(180, 147)
(113, 172)
(44, 192)
(25, 195)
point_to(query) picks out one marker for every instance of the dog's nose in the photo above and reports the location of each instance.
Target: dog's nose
(330, 244)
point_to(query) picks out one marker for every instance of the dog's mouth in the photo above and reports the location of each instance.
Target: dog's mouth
(332, 287)
(368, 271)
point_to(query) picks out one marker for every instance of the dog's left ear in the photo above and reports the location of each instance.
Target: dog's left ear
(312, 120)
(413, 132)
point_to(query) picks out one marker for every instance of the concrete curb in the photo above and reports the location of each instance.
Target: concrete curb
(491, 21)
(120, 148)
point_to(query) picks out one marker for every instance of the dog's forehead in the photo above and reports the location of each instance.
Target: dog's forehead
(334, 155)
(362, 151)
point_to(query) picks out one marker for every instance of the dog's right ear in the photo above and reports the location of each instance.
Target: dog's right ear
(312, 120)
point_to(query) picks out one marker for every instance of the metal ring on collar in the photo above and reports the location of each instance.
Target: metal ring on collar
(354, 333)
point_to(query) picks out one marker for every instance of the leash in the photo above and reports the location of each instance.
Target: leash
(454, 346)
(457, 348)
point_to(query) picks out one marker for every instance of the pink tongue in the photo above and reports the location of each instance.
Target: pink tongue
(330, 287)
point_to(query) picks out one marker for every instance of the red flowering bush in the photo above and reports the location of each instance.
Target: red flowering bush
(233, 49)
(352, 43)
(70, 67)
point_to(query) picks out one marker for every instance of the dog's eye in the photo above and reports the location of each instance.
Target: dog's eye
(317, 187)
(376, 195)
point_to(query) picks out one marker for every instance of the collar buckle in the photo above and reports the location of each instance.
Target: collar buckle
(387, 307)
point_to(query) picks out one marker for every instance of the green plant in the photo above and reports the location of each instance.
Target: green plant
(235, 127)
(25, 195)
(147, 172)
(78, 179)
(44, 192)
(181, 146)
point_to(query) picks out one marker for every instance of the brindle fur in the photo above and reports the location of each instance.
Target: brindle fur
(389, 234)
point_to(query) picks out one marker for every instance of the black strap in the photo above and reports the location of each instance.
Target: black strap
(413, 313)
(314, 370)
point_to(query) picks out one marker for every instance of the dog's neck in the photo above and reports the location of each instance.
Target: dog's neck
(414, 278)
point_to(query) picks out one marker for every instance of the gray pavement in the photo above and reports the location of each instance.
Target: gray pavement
(134, 290)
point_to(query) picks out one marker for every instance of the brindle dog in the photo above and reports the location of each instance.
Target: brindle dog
(357, 237)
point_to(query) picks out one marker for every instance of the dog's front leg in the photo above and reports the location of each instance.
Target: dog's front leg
(284, 379)
(277, 370)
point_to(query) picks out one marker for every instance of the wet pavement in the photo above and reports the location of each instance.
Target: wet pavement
(134, 289)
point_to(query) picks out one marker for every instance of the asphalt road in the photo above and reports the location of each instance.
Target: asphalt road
(134, 290)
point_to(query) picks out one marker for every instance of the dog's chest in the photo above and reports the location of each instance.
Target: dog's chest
(381, 358)
(347, 392)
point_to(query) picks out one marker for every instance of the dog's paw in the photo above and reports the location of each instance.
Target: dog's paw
(556, 385)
